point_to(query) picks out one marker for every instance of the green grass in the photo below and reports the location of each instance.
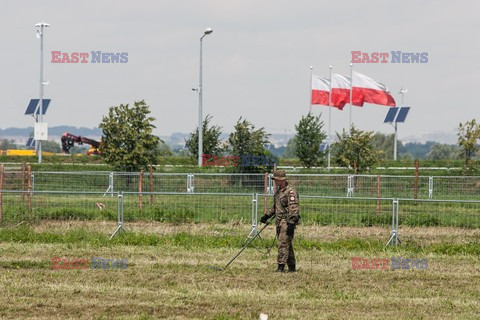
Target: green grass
(169, 274)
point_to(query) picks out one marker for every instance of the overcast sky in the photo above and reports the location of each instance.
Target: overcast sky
(256, 62)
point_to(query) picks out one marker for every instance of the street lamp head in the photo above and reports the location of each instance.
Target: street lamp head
(208, 30)
(42, 24)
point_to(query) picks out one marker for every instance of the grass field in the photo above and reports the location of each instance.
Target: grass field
(169, 274)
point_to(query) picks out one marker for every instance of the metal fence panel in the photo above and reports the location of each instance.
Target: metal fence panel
(444, 213)
(343, 211)
(38, 205)
(319, 184)
(188, 207)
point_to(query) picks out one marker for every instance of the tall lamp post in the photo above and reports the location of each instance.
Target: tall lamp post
(402, 92)
(41, 26)
(200, 93)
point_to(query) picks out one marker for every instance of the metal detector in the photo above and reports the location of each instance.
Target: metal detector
(243, 248)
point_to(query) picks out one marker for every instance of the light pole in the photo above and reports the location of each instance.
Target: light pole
(402, 92)
(40, 26)
(200, 93)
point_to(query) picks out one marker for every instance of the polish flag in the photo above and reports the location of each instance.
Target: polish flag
(340, 90)
(320, 90)
(365, 89)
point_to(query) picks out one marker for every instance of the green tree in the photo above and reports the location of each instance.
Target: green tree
(211, 143)
(246, 142)
(355, 146)
(443, 152)
(384, 144)
(51, 146)
(468, 136)
(290, 149)
(6, 144)
(308, 139)
(128, 143)
(164, 149)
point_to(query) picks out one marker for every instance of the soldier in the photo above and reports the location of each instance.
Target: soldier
(287, 212)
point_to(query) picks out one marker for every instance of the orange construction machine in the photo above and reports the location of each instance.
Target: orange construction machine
(68, 141)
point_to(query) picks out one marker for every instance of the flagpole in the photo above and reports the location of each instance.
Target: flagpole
(311, 88)
(329, 118)
(351, 94)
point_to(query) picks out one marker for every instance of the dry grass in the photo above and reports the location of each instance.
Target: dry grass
(177, 283)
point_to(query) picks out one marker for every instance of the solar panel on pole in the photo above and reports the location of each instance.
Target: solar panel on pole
(323, 147)
(33, 107)
(392, 112)
(402, 115)
(30, 142)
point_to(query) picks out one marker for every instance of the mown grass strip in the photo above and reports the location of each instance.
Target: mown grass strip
(83, 238)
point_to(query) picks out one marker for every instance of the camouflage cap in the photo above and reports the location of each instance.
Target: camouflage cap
(280, 175)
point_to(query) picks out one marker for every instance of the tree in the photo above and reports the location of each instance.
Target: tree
(443, 151)
(355, 146)
(164, 149)
(468, 135)
(211, 140)
(308, 139)
(290, 149)
(247, 142)
(6, 144)
(51, 146)
(128, 143)
(384, 144)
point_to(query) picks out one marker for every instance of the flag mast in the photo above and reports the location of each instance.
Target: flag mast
(329, 118)
(351, 94)
(311, 88)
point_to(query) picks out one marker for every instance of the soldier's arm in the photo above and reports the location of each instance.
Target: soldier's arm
(271, 212)
(293, 207)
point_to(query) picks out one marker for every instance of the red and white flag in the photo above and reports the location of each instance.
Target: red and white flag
(320, 90)
(365, 89)
(340, 91)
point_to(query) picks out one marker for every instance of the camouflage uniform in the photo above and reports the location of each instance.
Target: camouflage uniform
(287, 211)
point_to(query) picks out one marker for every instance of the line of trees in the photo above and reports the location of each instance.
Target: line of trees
(129, 144)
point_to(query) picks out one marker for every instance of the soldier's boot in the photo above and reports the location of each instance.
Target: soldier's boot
(280, 268)
(292, 268)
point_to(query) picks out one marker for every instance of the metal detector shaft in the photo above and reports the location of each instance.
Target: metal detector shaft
(246, 244)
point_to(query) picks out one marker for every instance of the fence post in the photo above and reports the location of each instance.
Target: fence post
(350, 185)
(1, 189)
(151, 184)
(29, 186)
(378, 194)
(396, 229)
(265, 191)
(119, 215)
(415, 185)
(190, 187)
(23, 181)
(394, 236)
(254, 230)
(140, 189)
(430, 187)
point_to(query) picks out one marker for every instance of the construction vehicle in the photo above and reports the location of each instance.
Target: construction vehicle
(69, 140)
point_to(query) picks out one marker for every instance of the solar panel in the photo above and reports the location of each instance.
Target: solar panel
(402, 114)
(323, 147)
(392, 112)
(34, 107)
(30, 142)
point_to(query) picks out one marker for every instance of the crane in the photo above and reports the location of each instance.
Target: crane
(68, 141)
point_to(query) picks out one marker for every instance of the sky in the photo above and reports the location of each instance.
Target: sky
(256, 63)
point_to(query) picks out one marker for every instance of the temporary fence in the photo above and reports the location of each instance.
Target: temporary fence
(336, 185)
